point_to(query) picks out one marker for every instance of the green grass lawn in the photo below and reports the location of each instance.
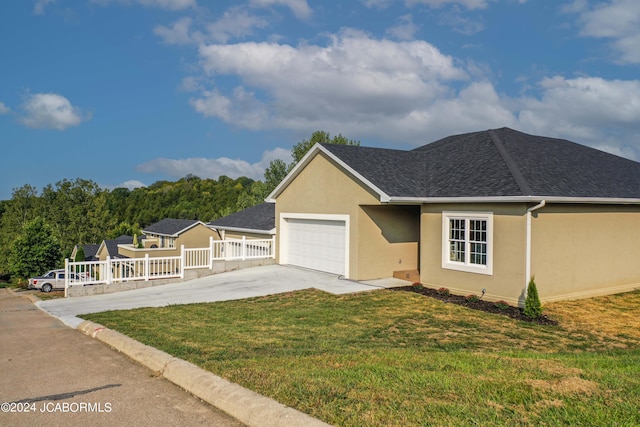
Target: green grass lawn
(389, 358)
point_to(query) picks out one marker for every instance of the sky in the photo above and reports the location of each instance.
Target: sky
(129, 92)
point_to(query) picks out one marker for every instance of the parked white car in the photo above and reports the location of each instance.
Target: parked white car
(49, 281)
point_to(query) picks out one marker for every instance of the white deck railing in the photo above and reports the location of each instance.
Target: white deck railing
(114, 270)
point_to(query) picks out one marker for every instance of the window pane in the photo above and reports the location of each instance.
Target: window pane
(478, 253)
(456, 252)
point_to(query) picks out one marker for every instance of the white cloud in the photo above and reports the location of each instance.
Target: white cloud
(405, 29)
(300, 8)
(4, 109)
(38, 8)
(353, 78)
(469, 4)
(214, 168)
(615, 20)
(50, 111)
(404, 93)
(235, 23)
(162, 4)
(132, 184)
(178, 33)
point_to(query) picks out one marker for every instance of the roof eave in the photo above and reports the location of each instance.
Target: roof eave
(244, 230)
(176, 234)
(515, 199)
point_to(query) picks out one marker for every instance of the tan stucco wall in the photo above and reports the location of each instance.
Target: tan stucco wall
(102, 253)
(238, 235)
(582, 251)
(509, 236)
(195, 237)
(388, 239)
(371, 254)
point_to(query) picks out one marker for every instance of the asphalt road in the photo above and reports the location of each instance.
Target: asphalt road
(64, 378)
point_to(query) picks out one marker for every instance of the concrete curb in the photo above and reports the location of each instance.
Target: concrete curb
(245, 405)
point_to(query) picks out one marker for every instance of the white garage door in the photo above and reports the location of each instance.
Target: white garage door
(317, 244)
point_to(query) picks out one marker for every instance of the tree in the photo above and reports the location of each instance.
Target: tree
(318, 137)
(79, 254)
(22, 207)
(532, 305)
(278, 169)
(275, 173)
(35, 250)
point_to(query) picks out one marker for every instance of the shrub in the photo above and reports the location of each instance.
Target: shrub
(502, 305)
(417, 285)
(472, 298)
(443, 291)
(532, 305)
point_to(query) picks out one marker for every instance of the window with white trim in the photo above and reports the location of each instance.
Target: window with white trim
(467, 239)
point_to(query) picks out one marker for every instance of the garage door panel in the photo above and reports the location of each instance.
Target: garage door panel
(317, 244)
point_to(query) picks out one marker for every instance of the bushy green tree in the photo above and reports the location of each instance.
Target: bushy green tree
(300, 149)
(35, 250)
(532, 305)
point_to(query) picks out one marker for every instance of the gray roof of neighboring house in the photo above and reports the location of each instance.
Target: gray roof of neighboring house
(494, 163)
(90, 251)
(112, 245)
(259, 218)
(171, 227)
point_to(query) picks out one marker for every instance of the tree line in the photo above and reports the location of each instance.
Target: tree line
(41, 228)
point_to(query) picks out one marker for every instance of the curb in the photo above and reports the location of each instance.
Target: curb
(245, 405)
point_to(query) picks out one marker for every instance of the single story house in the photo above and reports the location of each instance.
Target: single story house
(165, 238)
(256, 222)
(89, 251)
(478, 212)
(110, 247)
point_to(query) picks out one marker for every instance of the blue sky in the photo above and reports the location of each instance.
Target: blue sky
(128, 92)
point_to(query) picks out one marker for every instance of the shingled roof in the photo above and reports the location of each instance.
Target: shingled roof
(500, 163)
(259, 218)
(171, 227)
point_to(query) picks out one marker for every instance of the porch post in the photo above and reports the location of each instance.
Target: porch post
(273, 246)
(146, 267)
(182, 261)
(210, 252)
(66, 276)
(109, 272)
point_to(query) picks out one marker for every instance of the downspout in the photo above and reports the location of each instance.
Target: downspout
(527, 268)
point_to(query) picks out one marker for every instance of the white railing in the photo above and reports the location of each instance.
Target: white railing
(149, 268)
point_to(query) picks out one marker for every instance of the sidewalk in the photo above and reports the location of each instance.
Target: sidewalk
(70, 379)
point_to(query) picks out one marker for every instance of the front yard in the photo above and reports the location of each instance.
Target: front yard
(389, 358)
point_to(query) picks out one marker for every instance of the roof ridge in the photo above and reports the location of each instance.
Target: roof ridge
(511, 164)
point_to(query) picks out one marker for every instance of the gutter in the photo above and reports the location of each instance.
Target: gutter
(527, 268)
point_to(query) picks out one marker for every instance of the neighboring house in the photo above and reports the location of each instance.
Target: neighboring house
(165, 238)
(256, 222)
(482, 211)
(90, 252)
(109, 248)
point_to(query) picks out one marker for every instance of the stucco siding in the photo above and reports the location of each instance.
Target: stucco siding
(195, 237)
(322, 187)
(228, 234)
(388, 240)
(509, 237)
(581, 251)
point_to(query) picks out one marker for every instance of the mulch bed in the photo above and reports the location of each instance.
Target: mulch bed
(487, 306)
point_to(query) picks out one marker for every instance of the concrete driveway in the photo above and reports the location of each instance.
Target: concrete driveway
(239, 284)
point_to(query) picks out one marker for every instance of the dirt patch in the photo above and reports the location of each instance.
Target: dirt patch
(478, 304)
(569, 385)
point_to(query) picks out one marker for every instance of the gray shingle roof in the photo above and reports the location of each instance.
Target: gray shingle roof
(495, 163)
(170, 227)
(259, 218)
(112, 245)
